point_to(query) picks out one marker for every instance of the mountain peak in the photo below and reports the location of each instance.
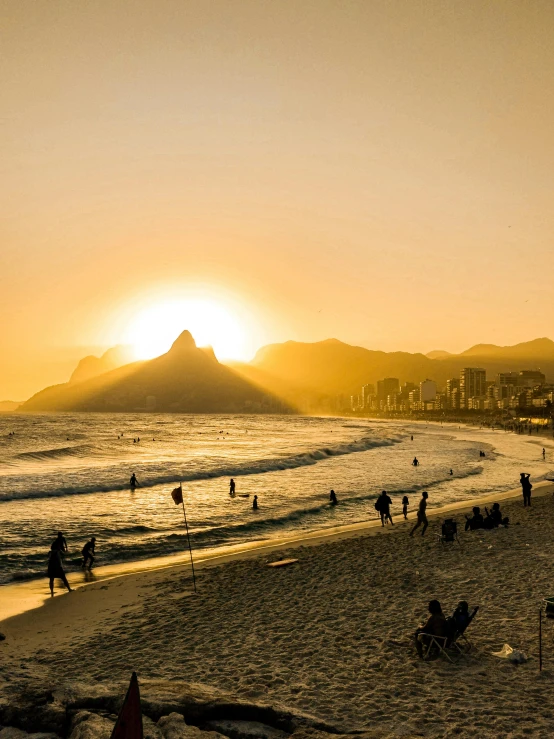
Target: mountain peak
(183, 343)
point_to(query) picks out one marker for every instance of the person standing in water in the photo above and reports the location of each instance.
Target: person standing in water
(88, 553)
(421, 514)
(415, 463)
(525, 488)
(543, 453)
(232, 488)
(133, 482)
(333, 498)
(255, 503)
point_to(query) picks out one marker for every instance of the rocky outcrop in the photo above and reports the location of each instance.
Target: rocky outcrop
(171, 710)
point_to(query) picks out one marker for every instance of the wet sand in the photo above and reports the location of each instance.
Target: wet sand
(330, 635)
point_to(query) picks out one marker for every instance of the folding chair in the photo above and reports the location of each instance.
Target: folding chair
(449, 532)
(441, 644)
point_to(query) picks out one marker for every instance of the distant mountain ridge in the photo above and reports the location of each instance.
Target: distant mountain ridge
(92, 366)
(285, 376)
(186, 379)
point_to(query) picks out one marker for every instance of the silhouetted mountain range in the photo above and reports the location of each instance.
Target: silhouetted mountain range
(185, 379)
(92, 366)
(281, 377)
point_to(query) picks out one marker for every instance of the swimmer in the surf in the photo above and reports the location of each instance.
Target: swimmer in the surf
(333, 498)
(232, 488)
(415, 463)
(255, 503)
(133, 482)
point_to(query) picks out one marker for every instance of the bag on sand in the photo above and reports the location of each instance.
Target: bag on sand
(513, 655)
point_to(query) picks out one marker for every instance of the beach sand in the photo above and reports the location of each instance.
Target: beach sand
(329, 635)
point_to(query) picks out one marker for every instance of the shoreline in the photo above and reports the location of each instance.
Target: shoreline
(21, 598)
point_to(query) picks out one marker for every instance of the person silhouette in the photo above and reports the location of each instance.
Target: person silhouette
(333, 498)
(255, 503)
(88, 553)
(55, 564)
(421, 514)
(525, 487)
(232, 488)
(415, 463)
(133, 482)
(384, 503)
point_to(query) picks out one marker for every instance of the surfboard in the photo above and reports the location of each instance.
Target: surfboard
(282, 563)
(244, 495)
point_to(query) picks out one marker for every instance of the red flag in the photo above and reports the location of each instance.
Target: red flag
(177, 495)
(129, 721)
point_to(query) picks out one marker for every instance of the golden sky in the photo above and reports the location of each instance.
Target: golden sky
(379, 172)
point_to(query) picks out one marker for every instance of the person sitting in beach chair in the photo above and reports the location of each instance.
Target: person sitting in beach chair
(435, 626)
(476, 521)
(449, 531)
(455, 626)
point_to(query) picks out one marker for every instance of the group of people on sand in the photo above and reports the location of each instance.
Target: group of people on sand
(492, 520)
(55, 559)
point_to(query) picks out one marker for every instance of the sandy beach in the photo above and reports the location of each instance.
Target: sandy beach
(329, 635)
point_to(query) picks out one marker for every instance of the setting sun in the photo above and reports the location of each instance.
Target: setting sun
(155, 328)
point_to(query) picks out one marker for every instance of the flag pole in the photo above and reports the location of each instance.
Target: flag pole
(188, 537)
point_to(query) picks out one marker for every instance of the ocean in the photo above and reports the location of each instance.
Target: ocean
(70, 472)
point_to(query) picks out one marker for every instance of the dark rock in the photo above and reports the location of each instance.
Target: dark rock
(245, 730)
(9, 732)
(87, 725)
(174, 727)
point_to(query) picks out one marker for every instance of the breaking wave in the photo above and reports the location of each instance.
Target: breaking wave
(254, 467)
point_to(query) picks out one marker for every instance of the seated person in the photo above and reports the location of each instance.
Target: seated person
(461, 616)
(435, 626)
(495, 514)
(476, 521)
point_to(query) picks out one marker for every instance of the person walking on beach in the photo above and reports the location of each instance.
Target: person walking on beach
(421, 514)
(232, 488)
(415, 463)
(255, 503)
(383, 505)
(55, 564)
(333, 498)
(88, 553)
(133, 482)
(525, 488)
(405, 504)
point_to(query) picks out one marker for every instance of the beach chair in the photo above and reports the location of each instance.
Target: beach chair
(449, 532)
(457, 642)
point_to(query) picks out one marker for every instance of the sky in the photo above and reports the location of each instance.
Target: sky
(378, 172)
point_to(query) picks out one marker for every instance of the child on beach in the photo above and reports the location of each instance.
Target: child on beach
(405, 504)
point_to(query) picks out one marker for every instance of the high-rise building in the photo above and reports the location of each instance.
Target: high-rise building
(453, 393)
(427, 390)
(530, 378)
(473, 384)
(368, 391)
(386, 387)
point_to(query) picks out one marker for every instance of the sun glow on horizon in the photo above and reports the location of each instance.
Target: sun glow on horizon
(154, 329)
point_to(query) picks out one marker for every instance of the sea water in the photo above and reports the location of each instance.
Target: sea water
(70, 472)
